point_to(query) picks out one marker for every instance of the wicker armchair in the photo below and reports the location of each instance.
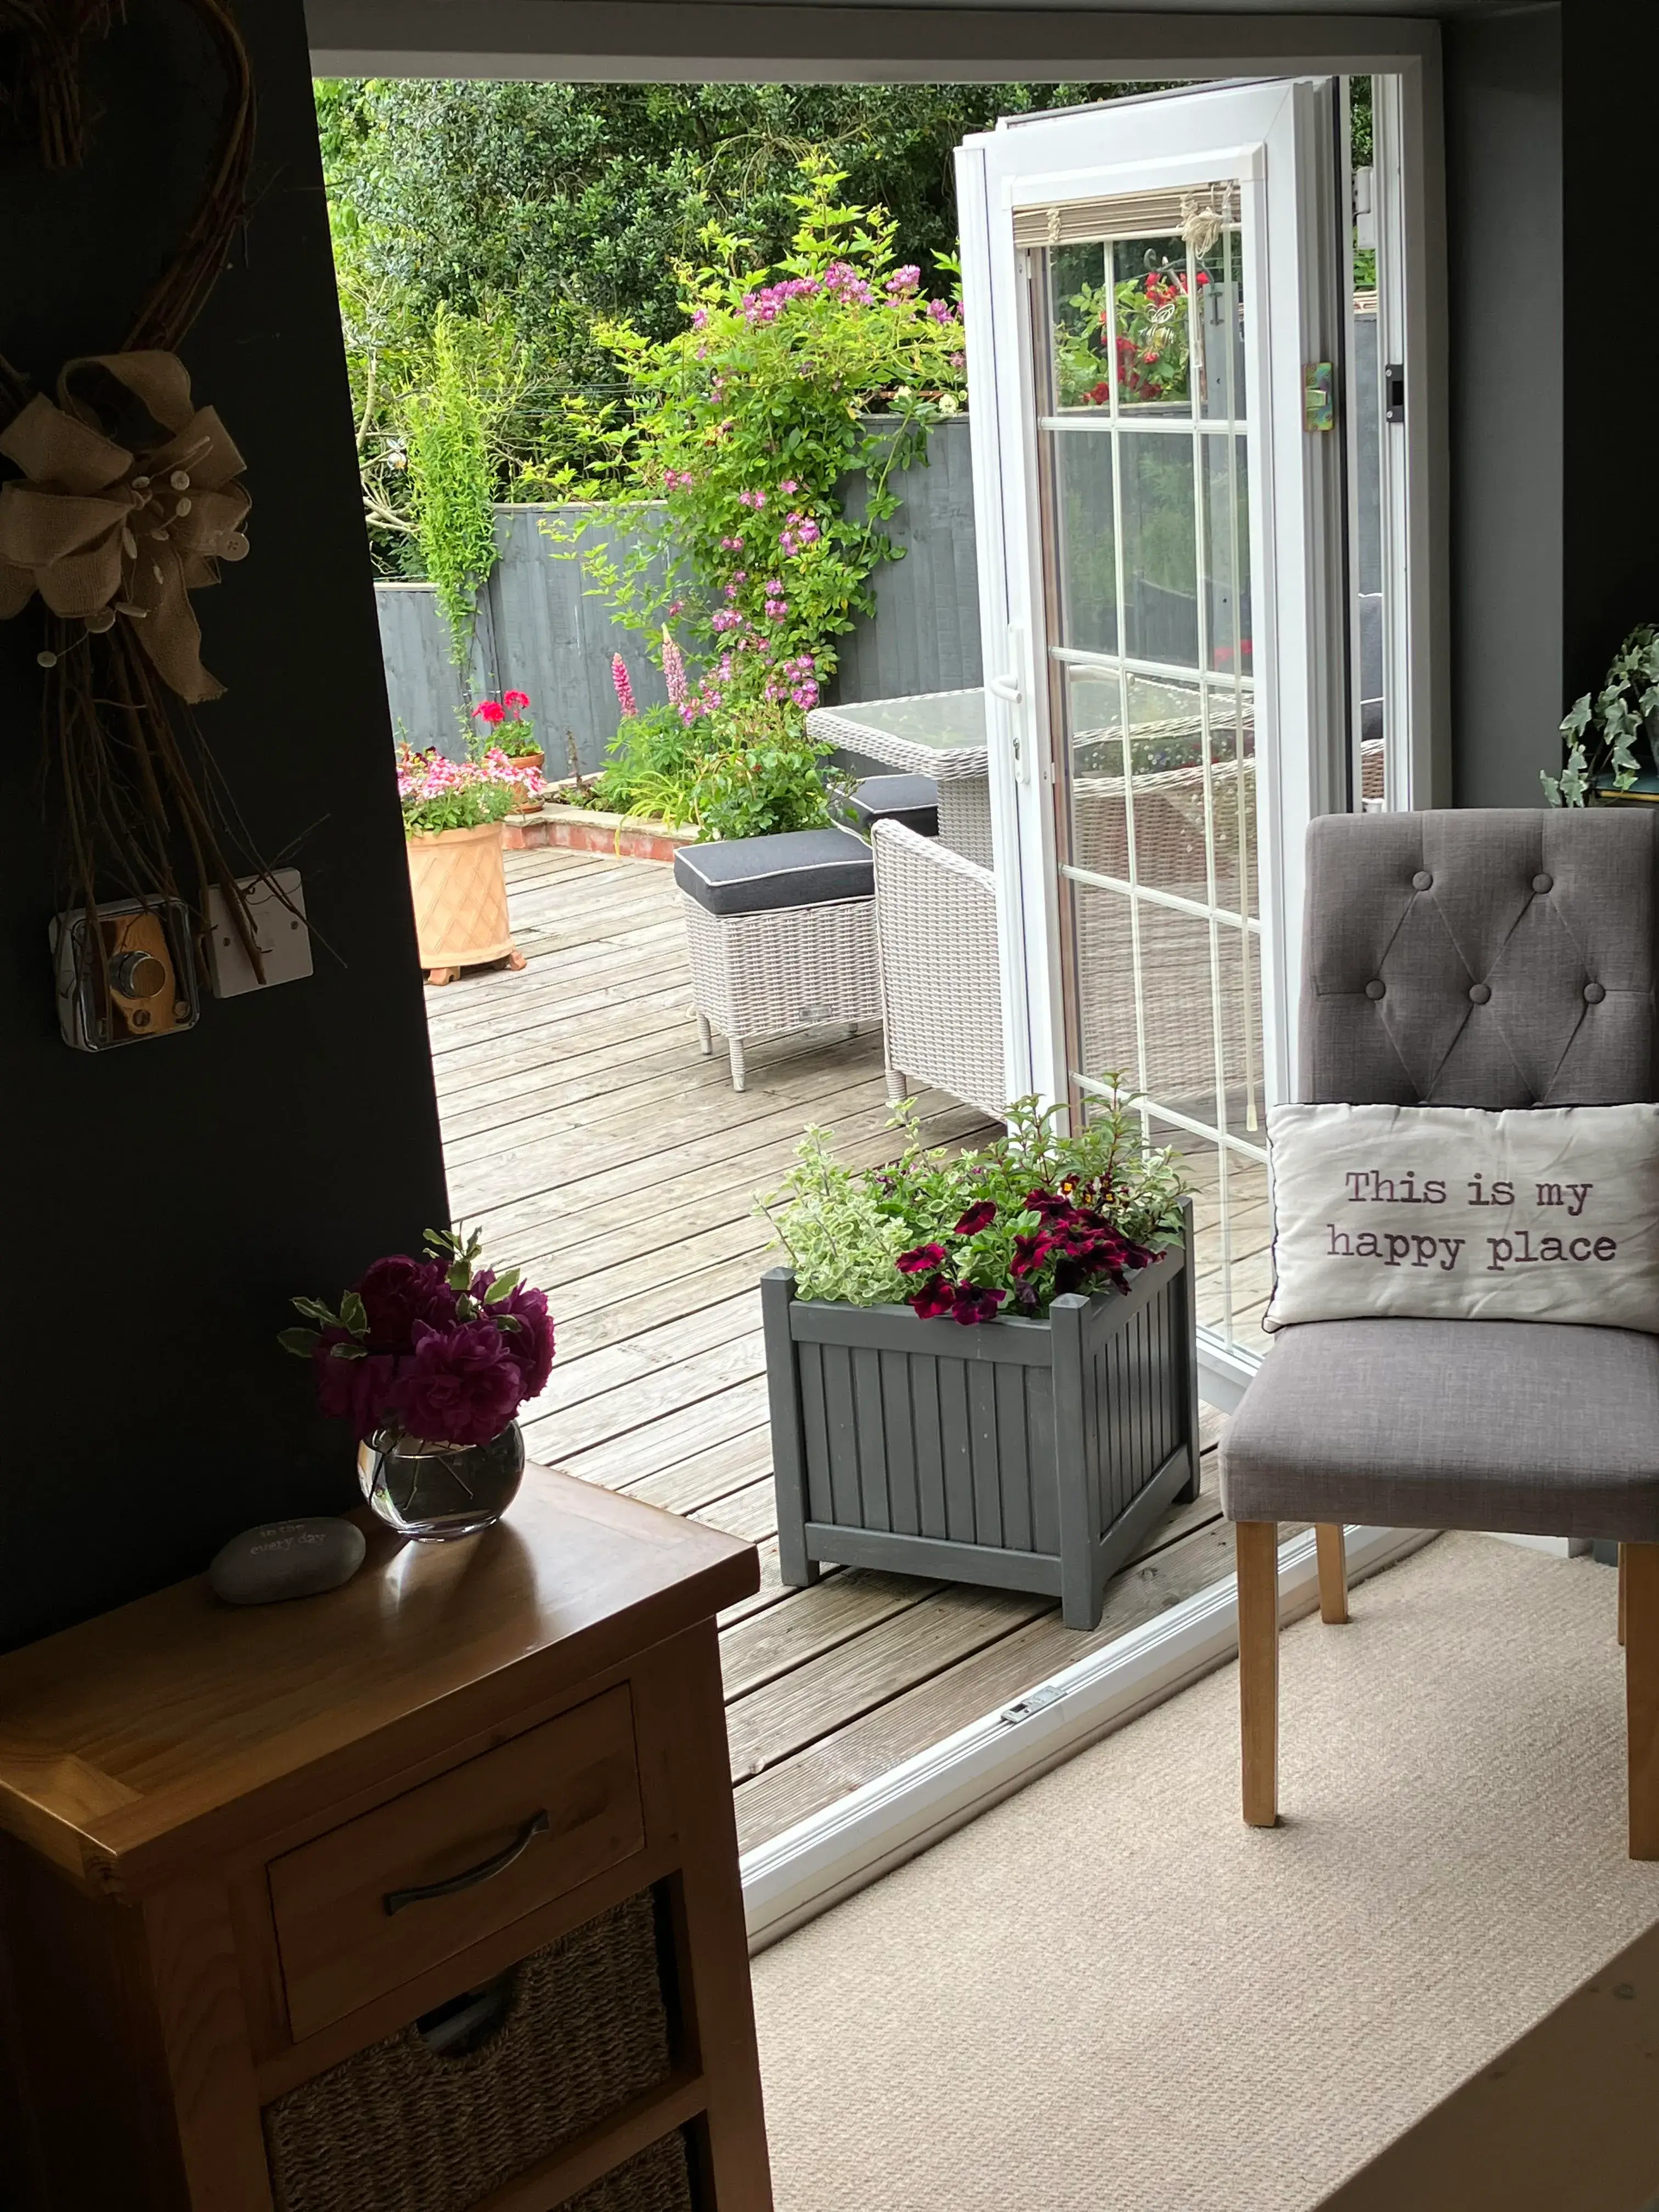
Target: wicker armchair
(941, 983)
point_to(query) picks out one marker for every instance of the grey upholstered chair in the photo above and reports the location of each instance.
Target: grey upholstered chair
(1466, 958)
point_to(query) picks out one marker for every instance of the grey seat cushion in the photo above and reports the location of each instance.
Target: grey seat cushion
(911, 799)
(1529, 1427)
(763, 875)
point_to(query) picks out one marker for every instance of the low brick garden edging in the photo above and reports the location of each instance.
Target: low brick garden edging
(586, 829)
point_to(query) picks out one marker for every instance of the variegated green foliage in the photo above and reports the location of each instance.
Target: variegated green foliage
(1603, 729)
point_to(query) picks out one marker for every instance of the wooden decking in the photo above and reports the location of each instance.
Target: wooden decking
(597, 1149)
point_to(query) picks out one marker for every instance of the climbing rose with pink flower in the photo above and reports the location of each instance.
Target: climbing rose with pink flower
(783, 385)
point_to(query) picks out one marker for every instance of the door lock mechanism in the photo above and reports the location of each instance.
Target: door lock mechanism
(131, 978)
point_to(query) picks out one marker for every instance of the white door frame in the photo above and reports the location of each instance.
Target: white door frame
(802, 41)
(1275, 140)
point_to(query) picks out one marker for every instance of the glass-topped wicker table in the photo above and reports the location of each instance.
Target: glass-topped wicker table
(941, 734)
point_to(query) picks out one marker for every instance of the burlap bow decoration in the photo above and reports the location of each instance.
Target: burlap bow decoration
(103, 529)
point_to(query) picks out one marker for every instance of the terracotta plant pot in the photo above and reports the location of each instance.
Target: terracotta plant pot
(459, 888)
(528, 806)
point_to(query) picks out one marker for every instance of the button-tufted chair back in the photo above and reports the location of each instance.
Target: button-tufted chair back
(1481, 958)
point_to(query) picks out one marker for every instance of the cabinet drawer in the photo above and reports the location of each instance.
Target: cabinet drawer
(488, 1842)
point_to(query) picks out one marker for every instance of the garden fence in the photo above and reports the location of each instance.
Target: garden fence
(543, 629)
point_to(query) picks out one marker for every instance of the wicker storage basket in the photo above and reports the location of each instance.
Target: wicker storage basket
(397, 2129)
(657, 2180)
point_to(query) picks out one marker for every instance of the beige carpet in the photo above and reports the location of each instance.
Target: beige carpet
(1108, 1993)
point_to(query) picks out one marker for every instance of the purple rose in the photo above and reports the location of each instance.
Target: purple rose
(462, 1385)
(531, 1345)
(399, 1291)
(360, 1391)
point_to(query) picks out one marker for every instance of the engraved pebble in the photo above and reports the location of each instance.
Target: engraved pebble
(287, 1558)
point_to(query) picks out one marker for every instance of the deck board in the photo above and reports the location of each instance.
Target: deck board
(596, 1147)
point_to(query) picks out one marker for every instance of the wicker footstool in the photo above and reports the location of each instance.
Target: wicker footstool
(911, 799)
(781, 932)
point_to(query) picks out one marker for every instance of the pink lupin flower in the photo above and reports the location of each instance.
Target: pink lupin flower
(673, 669)
(619, 677)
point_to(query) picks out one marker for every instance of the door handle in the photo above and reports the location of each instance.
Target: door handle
(395, 1899)
(1005, 688)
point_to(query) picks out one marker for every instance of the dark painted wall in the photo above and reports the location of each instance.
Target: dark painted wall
(1503, 219)
(163, 1201)
(1610, 135)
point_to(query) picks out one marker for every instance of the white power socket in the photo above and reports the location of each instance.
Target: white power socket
(276, 909)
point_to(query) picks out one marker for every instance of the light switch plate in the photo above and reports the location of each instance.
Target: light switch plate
(276, 909)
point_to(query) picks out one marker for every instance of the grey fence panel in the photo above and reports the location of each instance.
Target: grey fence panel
(542, 628)
(554, 636)
(925, 637)
(430, 696)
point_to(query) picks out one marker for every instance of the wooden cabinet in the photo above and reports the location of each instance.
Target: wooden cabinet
(261, 1867)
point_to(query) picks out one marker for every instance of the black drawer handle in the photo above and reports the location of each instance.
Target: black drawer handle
(486, 1870)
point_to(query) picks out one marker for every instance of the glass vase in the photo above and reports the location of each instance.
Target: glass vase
(437, 1490)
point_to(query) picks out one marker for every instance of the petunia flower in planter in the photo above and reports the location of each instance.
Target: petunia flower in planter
(983, 1366)
(429, 1361)
(453, 816)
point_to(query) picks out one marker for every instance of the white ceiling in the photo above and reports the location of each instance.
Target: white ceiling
(894, 40)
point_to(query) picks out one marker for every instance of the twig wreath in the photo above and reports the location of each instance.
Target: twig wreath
(130, 498)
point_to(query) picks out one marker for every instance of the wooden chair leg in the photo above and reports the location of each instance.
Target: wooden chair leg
(1331, 1543)
(1256, 1544)
(1641, 1565)
(1624, 1552)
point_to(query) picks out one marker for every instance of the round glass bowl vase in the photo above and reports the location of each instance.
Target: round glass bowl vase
(438, 1490)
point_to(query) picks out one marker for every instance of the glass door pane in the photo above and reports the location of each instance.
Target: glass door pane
(1145, 499)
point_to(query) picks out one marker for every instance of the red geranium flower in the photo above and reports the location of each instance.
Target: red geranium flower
(490, 711)
(515, 698)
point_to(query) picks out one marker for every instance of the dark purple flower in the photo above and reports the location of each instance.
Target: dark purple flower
(1048, 1203)
(1029, 1253)
(531, 1345)
(973, 1304)
(357, 1390)
(978, 1217)
(936, 1295)
(399, 1291)
(921, 1259)
(462, 1385)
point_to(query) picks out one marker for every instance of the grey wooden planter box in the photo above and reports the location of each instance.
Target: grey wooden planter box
(1028, 1454)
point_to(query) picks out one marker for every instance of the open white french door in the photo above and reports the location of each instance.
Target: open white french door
(1151, 287)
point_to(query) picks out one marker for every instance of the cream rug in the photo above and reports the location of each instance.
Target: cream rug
(1108, 1993)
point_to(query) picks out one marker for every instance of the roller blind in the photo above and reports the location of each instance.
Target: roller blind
(1130, 215)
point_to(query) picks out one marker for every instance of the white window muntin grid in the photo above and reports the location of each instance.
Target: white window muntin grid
(1113, 421)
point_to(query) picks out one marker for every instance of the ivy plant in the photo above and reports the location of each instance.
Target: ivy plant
(1602, 730)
